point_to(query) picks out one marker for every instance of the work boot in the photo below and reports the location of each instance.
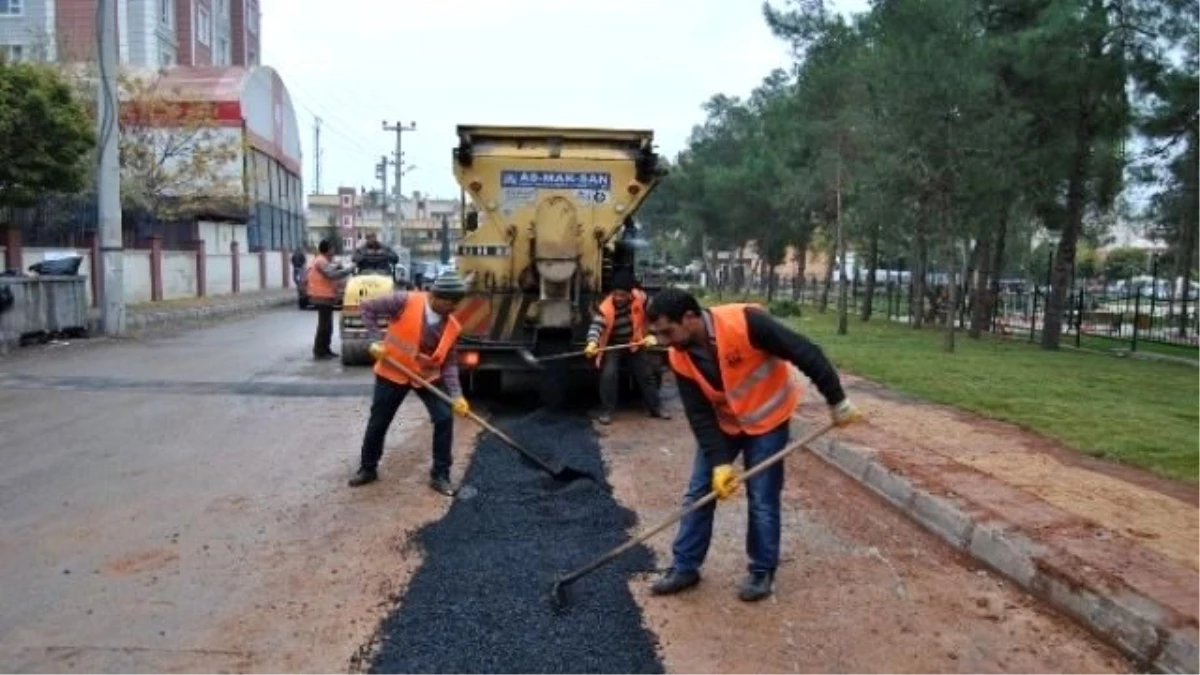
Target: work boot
(604, 418)
(660, 414)
(363, 477)
(674, 582)
(756, 586)
(442, 485)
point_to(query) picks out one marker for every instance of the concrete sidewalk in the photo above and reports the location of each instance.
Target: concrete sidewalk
(1112, 546)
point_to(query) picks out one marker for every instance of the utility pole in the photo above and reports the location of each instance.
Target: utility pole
(317, 154)
(381, 174)
(108, 176)
(399, 128)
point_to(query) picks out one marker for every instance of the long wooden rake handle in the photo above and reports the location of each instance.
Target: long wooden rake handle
(476, 418)
(699, 503)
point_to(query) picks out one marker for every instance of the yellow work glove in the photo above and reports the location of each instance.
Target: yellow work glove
(461, 407)
(591, 349)
(649, 341)
(845, 413)
(724, 482)
(376, 350)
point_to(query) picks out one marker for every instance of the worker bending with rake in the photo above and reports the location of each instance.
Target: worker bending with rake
(731, 367)
(421, 339)
(621, 320)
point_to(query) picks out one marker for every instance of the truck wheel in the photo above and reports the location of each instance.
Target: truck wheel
(356, 353)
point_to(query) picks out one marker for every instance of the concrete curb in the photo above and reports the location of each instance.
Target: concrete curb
(1134, 623)
(151, 320)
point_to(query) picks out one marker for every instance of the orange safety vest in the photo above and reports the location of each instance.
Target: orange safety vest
(403, 340)
(637, 315)
(759, 392)
(319, 285)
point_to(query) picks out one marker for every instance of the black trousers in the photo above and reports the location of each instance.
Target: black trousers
(610, 372)
(387, 400)
(324, 336)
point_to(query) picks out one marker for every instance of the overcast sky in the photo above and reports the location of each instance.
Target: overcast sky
(439, 63)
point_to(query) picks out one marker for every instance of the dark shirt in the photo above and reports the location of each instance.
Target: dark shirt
(380, 258)
(770, 336)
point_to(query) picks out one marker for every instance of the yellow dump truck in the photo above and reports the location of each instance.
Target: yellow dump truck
(552, 219)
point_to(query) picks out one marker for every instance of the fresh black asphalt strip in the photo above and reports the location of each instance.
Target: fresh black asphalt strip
(480, 600)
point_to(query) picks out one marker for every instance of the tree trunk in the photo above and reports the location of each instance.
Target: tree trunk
(952, 265)
(981, 302)
(801, 270)
(872, 267)
(916, 297)
(824, 304)
(1191, 223)
(770, 282)
(843, 301)
(1065, 255)
(998, 264)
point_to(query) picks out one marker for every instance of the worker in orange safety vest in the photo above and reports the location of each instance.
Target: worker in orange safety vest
(422, 335)
(731, 368)
(619, 320)
(322, 288)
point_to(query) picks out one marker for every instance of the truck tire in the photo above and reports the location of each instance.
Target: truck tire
(356, 353)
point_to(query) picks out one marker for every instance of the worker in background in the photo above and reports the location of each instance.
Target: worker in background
(323, 277)
(374, 256)
(621, 319)
(422, 335)
(299, 258)
(731, 366)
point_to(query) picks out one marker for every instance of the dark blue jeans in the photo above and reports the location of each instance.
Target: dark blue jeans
(388, 397)
(762, 497)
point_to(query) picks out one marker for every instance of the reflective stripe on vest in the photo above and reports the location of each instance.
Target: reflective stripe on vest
(637, 317)
(403, 339)
(759, 392)
(319, 285)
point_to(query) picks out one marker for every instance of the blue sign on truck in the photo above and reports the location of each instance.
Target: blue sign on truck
(556, 180)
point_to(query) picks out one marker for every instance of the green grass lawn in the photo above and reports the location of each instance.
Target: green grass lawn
(1141, 412)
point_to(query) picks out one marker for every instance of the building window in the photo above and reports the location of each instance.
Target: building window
(203, 27)
(223, 9)
(346, 203)
(252, 17)
(347, 221)
(12, 53)
(12, 7)
(165, 12)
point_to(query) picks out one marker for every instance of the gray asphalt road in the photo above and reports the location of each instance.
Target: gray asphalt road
(153, 491)
(179, 505)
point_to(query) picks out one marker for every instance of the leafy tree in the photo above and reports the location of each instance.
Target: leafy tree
(945, 133)
(1172, 122)
(45, 134)
(1123, 263)
(175, 159)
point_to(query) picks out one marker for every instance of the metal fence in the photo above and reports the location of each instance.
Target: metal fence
(1134, 317)
(67, 220)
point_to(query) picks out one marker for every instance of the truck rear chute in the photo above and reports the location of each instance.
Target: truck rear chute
(550, 206)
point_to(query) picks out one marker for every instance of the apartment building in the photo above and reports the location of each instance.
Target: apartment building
(349, 215)
(151, 33)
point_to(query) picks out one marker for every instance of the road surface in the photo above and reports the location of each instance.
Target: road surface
(179, 504)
